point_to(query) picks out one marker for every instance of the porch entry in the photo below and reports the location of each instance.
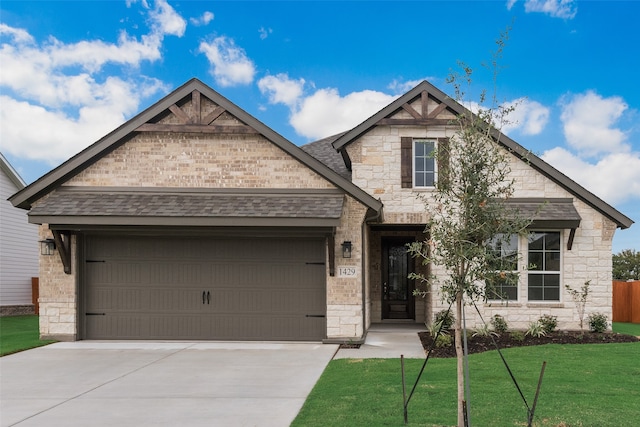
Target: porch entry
(397, 288)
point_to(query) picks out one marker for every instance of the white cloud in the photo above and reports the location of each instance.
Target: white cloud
(615, 177)
(17, 34)
(400, 87)
(57, 100)
(230, 65)
(326, 112)
(510, 4)
(264, 32)
(166, 20)
(565, 9)
(527, 117)
(36, 132)
(202, 20)
(281, 89)
(589, 120)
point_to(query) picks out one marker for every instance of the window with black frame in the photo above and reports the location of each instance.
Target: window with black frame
(544, 266)
(502, 284)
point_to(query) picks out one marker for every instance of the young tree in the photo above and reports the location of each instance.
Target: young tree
(470, 216)
(626, 265)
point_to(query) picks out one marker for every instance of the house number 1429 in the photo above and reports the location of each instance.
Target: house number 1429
(347, 272)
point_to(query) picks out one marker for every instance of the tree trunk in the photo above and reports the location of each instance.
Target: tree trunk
(460, 358)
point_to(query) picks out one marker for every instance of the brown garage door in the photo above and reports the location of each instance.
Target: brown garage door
(204, 288)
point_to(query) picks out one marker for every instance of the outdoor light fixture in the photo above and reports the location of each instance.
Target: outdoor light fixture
(47, 246)
(346, 249)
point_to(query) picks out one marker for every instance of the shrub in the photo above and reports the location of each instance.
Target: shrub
(447, 319)
(536, 330)
(499, 324)
(549, 323)
(483, 331)
(517, 336)
(444, 341)
(434, 328)
(597, 322)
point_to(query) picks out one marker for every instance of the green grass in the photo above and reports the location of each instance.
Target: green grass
(19, 333)
(584, 385)
(627, 328)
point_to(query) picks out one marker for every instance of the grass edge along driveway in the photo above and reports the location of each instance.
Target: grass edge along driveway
(18, 333)
(584, 385)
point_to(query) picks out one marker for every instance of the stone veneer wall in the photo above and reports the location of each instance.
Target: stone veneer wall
(589, 259)
(376, 169)
(58, 297)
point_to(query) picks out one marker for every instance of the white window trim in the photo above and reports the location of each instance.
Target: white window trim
(413, 160)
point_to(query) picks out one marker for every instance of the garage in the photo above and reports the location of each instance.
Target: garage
(204, 288)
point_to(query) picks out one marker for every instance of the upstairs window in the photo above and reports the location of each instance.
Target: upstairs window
(424, 163)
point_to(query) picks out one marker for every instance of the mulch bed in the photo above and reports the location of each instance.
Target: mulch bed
(479, 344)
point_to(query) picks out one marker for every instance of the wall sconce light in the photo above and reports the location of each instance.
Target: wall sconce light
(346, 249)
(47, 246)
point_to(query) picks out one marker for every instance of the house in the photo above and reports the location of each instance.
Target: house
(194, 220)
(18, 247)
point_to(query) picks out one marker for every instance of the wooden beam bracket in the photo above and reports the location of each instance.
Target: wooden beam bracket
(63, 243)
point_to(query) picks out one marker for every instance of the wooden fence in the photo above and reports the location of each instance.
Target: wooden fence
(626, 301)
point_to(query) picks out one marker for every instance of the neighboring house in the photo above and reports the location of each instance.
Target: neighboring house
(194, 220)
(18, 247)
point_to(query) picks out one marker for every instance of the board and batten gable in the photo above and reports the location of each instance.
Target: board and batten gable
(19, 246)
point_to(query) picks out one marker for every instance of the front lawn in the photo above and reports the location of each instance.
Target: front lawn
(584, 385)
(627, 328)
(19, 333)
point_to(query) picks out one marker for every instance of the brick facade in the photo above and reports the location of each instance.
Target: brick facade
(238, 157)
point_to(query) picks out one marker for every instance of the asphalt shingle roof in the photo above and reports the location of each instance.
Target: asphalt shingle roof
(543, 211)
(156, 204)
(323, 151)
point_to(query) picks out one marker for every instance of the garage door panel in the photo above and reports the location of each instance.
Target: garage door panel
(199, 288)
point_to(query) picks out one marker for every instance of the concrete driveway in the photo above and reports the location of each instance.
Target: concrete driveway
(89, 383)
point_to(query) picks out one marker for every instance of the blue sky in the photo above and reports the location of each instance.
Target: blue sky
(72, 71)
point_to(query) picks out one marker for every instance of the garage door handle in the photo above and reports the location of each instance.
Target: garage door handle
(208, 297)
(204, 296)
(315, 315)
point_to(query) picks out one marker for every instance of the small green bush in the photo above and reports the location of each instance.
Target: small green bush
(483, 331)
(447, 319)
(499, 324)
(434, 328)
(549, 323)
(597, 322)
(536, 330)
(517, 336)
(444, 341)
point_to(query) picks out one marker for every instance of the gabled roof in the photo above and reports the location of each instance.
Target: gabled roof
(11, 173)
(323, 151)
(145, 122)
(426, 90)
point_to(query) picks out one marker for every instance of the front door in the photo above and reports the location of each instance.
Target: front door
(397, 288)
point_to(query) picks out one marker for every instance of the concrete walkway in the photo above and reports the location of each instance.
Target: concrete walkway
(89, 383)
(388, 340)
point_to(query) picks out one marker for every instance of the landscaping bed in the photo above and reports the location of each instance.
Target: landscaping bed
(479, 344)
